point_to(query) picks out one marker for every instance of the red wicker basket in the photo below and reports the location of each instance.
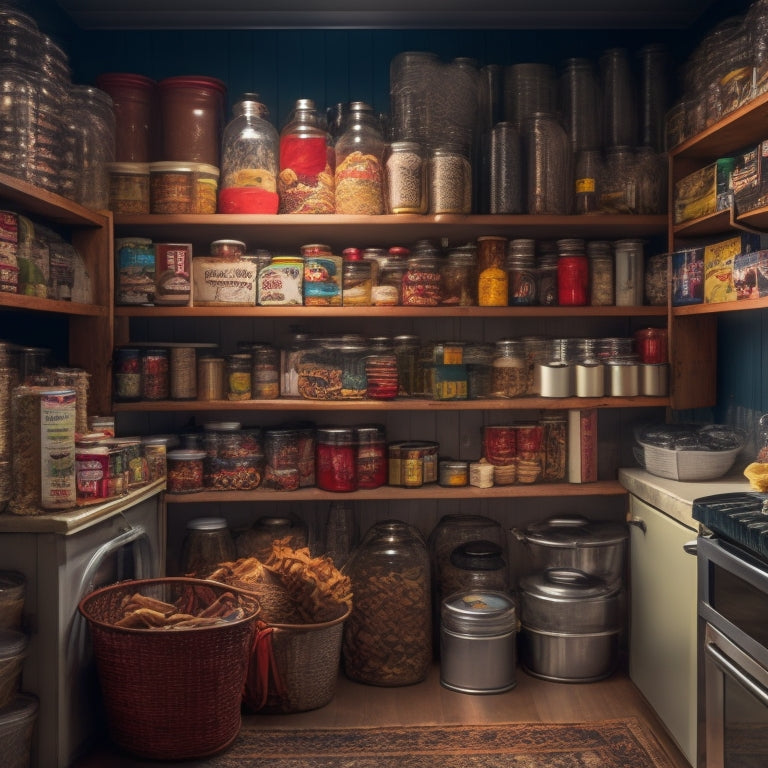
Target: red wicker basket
(170, 694)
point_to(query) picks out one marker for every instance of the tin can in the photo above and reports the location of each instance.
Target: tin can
(499, 444)
(185, 471)
(336, 459)
(622, 378)
(371, 456)
(210, 378)
(651, 345)
(412, 464)
(453, 474)
(654, 379)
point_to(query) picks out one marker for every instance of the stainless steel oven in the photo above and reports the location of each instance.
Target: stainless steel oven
(733, 633)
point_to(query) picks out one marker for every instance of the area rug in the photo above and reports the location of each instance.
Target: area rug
(621, 743)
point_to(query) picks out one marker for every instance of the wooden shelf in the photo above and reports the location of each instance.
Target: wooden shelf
(393, 493)
(725, 306)
(715, 224)
(389, 312)
(32, 303)
(404, 404)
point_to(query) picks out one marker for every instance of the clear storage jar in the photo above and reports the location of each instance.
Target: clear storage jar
(509, 376)
(406, 178)
(387, 638)
(458, 279)
(207, 543)
(250, 160)
(450, 181)
(421, 282)
(550, 169)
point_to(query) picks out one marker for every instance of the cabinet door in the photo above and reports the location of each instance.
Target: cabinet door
(662, 643)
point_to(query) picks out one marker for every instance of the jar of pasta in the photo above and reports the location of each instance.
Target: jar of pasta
(509, 377)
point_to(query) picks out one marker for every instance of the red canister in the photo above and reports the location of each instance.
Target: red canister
(336, 459)
(500, 445)
(133, 101)
(371, 456)
(572, 273)
(192, 113)
(651, 345)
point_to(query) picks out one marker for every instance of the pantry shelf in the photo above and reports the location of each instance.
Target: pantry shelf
(404, 404)
(396, 493)
(33, 303)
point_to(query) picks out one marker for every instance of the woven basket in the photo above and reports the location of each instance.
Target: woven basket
(294, 667)
(173, 693)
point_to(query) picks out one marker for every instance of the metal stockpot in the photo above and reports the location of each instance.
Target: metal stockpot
(596, 548)
(570, 625)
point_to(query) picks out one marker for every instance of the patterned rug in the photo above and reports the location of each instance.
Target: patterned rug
(623, 743)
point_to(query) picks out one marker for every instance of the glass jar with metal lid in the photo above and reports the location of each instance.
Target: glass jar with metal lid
(239, 383)
(601, 279)
(450, 181)
(458, 278)
(521, 268)
(572, 273)
(421, 282)
(406, 178)
(509, 377)
(371, 455)
(208, 542)
(155, 374)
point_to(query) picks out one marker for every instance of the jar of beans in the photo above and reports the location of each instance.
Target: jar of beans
(509, 377)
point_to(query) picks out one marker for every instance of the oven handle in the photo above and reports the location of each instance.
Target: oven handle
(728, 666)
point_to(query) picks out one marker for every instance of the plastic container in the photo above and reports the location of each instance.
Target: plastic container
(12, 592)
(129, 187)
(13, 648)
(185, 471)
(17, 724)
(182, 187)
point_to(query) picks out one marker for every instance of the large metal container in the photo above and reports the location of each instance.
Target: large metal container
(594, 547)
(478, 634)
(570, 625)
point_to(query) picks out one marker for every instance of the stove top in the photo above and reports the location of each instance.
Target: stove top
(740, 517)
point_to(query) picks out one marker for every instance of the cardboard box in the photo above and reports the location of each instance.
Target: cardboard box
(719, 259)
(750, 275)
(688, 277)
(750, 179)
(216, 282)
(705, 191)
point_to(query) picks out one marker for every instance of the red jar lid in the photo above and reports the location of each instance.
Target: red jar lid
(193, 81)
(124, 79)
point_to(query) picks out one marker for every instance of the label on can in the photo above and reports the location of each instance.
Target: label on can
(172, 266)
(281, 283)
(57, 449)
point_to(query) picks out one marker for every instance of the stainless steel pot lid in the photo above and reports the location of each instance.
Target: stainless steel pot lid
(479, 612)
(566, 584)
(575, 531)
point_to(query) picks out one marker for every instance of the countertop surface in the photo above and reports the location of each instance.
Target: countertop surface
(675, 498)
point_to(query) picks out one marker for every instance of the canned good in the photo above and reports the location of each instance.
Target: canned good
(126, 376)
(371, 456)
(129, 188)
(336, 452)
(239, 376)
(281, 283)
(499, 445)
(412, 464)
(453, 473)
(210, 378)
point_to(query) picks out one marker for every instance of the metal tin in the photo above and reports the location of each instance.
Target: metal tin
(654, 379)
(590, 378)
(556, 379)
(477, 642)
(622, 378)
(453, 473)
(412, 463)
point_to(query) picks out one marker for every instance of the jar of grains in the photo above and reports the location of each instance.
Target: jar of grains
(450, 181)
(509, 376)
(359, 177)
(600, 273)
(406, 178)
(387, 638)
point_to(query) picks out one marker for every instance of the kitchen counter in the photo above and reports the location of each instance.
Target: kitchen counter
(675, 498)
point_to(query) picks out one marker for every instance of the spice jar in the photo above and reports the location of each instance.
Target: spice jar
(207, 543)
(155, 375)
(336, 459)
(371, 456)
(452, 473)
(249, 160)
(359, 175)
(458, 281)
(357, 282)
(450, 181)
(406, 178)
(601, 279)
(239, 384)
(421, 282)
(185, 471)
(572, 273)
(521, 270)
(387, 638)
(509, 376)
(305, 183)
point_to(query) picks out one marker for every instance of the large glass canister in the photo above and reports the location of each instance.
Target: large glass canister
(476, 564)
(133, 100)
(207, 542)
(580, 104)
(619, 102)
(192, 118)
(618, 183)
(359, 175)
(412, 77)
(550, 169)
(388, 636)
(305, 183)
(505, 167)
(250, 160)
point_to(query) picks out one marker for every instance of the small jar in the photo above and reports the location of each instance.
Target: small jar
(381, 376)
(129, 188)
(357, 283)
(406, 349)
(371, 456)
(601, 280)
(478, 359)
(231, 250)
(211, 378)
(651, 345)
(572, 273)
(406, 178)
(629, 273)
(547, 278)
(239, 383)
(265, 372)
(336, 459)
(207, 543)
(155, 375)
(185, 471)
(509, 377)
(421, 282)
(521, 269)
(450, 181)
(458, 281)
(493, 287)
(452, 473)
(126, 375)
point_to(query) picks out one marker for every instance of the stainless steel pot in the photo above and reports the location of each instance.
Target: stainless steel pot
(570, 625)
(571, 541)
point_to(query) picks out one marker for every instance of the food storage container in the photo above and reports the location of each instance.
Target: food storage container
(13, 648)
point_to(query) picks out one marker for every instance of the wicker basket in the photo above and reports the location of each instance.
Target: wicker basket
(294, 667)
(175, 693)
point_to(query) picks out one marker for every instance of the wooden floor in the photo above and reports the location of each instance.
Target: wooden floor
(430, 703)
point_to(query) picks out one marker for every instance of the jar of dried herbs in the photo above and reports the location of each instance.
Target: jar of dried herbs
(388, 636)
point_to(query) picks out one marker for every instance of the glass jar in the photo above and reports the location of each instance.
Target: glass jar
(129, 187)
(505, 170)
(547, 274)
(452, 473)
(387, 638)
(126, 375)
(618, 99)
(359, 175)
(550, 170)
(406, 178)
(630, 273)
(521, 268)
(249, 160)
(478, 359)
(155, 375)
(588, 174)
(133, 98)
(239, 381)
(257, 541)
(357, 282)
(572, 273)
(406, 349)
(191, 119)
(458, 279)
(509, 377)
(183, 373)
(336, 459)
(651, 345)
(450, 181)
(656, 279)
(207, 543)
(185, 471)
(554, 428)
(210, 378)
(421, 282)
(580, 105)
(476, 564)
(305, 183)
(651, 180)
(381, 375)
(618, 184)
(371, 456)
(493, 287)
(601, 280)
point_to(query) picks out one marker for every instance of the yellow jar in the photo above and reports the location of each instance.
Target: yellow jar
(492, 287)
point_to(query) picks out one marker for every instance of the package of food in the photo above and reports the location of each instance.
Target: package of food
(173, 262)
(217, 282)
(135, 270)
(719, 260)
(705, 191)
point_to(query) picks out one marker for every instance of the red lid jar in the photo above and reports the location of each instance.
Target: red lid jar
(192, 116)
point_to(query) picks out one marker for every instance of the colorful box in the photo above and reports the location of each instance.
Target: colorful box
(750, 275)
(719, 259)
(688, 277)
(705, 191)
(750, 179)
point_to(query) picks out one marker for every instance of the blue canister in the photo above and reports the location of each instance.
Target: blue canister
(135, 270)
